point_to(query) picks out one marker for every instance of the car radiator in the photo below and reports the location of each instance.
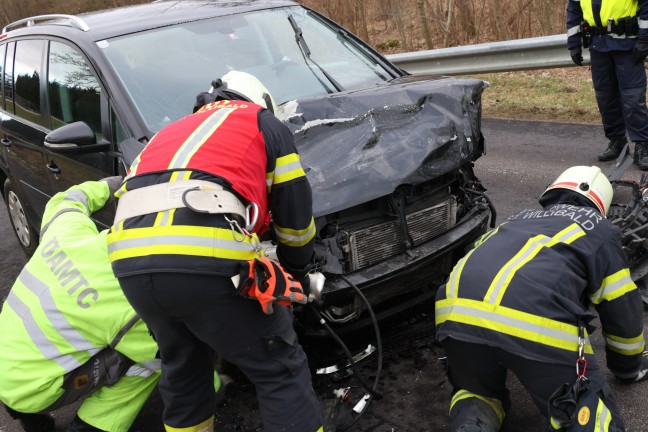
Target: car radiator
(370, 245)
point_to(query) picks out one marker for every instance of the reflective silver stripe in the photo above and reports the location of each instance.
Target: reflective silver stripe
(49, 350)
(643, 24)
(165, 218)
(77, 195)
(153, 365)
(59, 213)
(603, 418)
(573, 30)
(513, 266)
(284, 169)
(566, 336)
(54, 315)
(211, 242)
(453, 283)
(289, 238)
(609, 289)
(139, 371)
(198, 137)
(624, 346)
(533, 247)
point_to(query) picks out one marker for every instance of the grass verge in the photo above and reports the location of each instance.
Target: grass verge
(564, 94)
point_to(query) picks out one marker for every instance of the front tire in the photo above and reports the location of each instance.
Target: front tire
(26, 234)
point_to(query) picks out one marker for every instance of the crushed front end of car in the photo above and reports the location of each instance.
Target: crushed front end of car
(396, 202)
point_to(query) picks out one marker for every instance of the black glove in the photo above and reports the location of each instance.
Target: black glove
(640, 50)
(114, 183)
(577, 55)
(642, 375)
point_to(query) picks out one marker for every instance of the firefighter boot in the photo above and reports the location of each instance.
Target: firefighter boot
(641, 155)
(614, 149)
(472, 413)
(79, 425)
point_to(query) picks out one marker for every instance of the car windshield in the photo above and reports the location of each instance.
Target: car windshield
(164, 69)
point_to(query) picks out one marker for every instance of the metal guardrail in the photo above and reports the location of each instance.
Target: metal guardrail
(522, 54)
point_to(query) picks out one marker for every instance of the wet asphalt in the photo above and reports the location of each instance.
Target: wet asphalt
(521, 158)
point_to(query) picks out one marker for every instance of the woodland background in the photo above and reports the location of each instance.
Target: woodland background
(390, 26)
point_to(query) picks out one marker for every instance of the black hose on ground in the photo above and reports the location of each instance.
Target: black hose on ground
(371, 390)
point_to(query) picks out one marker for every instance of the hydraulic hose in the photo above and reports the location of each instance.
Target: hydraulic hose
(371, 390)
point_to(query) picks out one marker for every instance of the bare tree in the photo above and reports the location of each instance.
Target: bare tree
(499, 20)
(425, 24)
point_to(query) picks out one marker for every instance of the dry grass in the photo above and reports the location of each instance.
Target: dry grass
(563, 94)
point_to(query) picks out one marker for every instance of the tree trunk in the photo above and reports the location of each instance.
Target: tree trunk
(425, 24)
(448, 23)
(398, 19)
(361, 20)
(500, 23)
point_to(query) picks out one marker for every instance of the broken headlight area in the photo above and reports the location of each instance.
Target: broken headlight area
(397, 249)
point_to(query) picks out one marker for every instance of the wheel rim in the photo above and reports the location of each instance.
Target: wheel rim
(19, 219)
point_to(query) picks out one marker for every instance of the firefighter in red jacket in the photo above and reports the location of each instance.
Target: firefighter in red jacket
(515, 302)
(188, 220)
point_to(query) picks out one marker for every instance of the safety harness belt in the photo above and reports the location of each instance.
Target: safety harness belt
(197, 195)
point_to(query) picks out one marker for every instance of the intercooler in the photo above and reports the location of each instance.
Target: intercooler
(370, 245)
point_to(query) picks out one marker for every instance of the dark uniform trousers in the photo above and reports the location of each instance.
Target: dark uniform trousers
(482, 370)
(620, 87)
(191, 316)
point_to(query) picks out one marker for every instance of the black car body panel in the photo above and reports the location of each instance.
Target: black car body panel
(389, 158)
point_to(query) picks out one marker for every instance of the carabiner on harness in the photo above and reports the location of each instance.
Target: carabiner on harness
(240, 234)
(581, 361)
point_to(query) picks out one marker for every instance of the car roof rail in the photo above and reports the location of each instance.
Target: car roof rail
(70, 20)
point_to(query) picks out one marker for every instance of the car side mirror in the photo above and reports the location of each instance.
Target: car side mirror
(74, 137)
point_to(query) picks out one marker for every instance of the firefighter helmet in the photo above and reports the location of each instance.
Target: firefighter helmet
(239, 85)
(589, 182)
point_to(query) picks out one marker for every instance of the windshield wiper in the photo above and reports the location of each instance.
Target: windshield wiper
(303, 47)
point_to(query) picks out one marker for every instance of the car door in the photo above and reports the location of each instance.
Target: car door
(22, 126)
(75, 94)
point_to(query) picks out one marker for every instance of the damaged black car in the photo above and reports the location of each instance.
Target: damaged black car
(389, 155)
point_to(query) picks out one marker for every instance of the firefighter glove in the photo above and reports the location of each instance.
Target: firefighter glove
(577, 55)
(266, 281)
(114, 183)
(640, 51)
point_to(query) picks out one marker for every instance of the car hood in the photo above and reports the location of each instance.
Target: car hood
(356, 146)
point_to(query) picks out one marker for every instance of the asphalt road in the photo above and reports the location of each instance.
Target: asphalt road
(521, 159)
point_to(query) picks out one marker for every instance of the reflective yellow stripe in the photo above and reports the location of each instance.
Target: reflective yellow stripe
(555, 424)
(453, 281)
(510, 322)
(132, 172)
(533, 246)
(625, 346)
(614, 286)
(206, 426)
(165, 218)
(488, 235)
(198, 137)
(293, 237)
(455, 275)
(494, 403)
(179, 240)
(287, 168)
(603, 418)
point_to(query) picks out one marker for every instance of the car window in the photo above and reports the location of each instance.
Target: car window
(27, 76)
(74, 92)
(164, 69)
(3, 50)
(8, 78)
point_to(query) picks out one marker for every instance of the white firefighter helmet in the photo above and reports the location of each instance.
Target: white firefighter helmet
(589, 182)
(244, 86)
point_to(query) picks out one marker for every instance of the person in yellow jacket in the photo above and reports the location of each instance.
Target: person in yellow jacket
(66, 329)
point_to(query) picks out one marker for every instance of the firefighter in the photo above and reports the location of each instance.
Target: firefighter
(66, 329)
(516, 299)
(188, 219)
(616, 33)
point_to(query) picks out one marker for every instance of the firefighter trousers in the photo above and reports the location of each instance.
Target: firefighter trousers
(478, 374)
(620, 88)
(191, 316)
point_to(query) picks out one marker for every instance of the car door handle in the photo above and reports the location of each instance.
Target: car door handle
(5, 142)
(53, 168)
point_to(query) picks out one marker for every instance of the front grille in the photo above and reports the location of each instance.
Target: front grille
(370, 245)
